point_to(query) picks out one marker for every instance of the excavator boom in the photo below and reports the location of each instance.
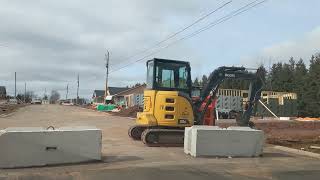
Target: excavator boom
(216, 78)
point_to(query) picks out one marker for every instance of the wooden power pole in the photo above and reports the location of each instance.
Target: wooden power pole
(15, 85)
(107, 75)
(25, 92)
(67, 91)
(77, 90)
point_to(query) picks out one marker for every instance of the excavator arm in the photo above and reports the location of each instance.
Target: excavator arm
(210, 90)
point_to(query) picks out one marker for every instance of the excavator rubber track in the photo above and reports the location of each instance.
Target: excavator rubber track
(163, 137)
(136, 131)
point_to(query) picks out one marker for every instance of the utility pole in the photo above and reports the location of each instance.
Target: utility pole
(67, 91)
(15, 85)
(78, 91)
(25, 92)
(45, 95)
(107, 74)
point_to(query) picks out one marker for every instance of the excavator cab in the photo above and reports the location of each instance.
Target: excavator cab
(167, 98)
(167, 105)
(169, 75)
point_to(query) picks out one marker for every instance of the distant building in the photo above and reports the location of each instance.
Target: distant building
(130, 97)
(116, 90)
(3, 92)
(45, 101)
(99, 95)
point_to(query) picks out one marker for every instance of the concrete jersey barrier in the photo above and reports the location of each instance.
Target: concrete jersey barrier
(216, 141)
(37, 146)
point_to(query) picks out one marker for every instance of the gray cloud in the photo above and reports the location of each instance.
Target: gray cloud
(48, 42)
(301, 47)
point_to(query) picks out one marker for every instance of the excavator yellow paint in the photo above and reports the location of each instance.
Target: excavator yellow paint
(165, 108)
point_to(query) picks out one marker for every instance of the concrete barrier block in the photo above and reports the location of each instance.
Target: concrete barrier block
(25, 147)
(215, 141)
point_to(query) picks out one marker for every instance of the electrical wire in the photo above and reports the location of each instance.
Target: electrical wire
(178, 32)
(217, 22)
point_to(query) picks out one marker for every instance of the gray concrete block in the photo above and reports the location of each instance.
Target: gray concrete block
(215, 141)
(25, 147)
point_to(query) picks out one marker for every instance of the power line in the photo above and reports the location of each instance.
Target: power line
(225, 18)
(178, 32)
(217, 22)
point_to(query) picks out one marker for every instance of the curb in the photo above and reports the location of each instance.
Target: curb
(298, 152)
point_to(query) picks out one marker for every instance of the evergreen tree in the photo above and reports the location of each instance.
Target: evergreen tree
(286, 77)
(196, 82)
(312, 91)
(274, 76)
(299, 84)
(204, 80)
(263, 75)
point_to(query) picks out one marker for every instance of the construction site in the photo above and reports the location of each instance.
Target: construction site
(150, 116)
(228, 132)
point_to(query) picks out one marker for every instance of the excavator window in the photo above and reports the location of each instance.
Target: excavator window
(150, 71)
(168, 75)
(171, 76)
(167, 79)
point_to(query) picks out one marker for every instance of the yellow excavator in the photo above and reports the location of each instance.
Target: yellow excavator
(168, 107)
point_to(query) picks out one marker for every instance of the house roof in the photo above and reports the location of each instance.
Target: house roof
(112, 91)
(99, 93)
(134, 90)
(116, 90)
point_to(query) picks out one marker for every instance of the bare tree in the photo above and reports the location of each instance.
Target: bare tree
(54, 97)
(26, 97)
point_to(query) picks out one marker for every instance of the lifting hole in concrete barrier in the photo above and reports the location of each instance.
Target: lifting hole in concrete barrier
(51, 148)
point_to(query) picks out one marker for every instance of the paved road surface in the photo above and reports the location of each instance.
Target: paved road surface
(129, 160)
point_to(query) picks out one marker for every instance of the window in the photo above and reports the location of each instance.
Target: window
(173, 76)
(167, 78)
(183, 76)
(150, 75)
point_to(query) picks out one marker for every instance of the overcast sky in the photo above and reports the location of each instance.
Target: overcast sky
(49, 42)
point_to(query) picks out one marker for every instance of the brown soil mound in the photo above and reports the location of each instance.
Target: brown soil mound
(129, 112)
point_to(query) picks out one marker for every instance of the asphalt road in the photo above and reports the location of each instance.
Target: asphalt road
(126, 159)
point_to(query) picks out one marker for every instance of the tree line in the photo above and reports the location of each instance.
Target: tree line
(291, 76)
(30, 95)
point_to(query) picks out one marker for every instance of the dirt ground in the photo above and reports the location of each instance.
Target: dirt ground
(295, 134)
(9, 108)
(126, 159)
